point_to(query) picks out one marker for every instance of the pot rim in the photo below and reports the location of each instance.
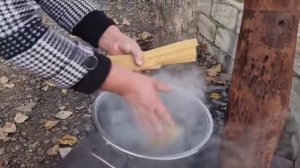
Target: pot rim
(181, 155)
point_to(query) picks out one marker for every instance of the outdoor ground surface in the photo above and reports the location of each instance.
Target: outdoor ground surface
(28, 145)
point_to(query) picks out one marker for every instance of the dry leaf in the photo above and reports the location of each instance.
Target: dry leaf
(146, 35)
(3, 135)
(50, 84)
(215, 96)
(20, 118)
(68, 140)
(64, 151)
(126, 22)
(214, 71)
(63, 114)
(53, 150)
(9, 127)
(9, 85)
(51, 124)
(3, 80)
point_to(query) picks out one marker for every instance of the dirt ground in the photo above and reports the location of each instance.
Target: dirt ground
(28, 146)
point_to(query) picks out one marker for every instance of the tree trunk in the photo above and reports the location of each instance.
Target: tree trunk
(176, 20)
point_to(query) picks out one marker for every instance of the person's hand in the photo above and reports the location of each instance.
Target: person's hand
(114, 42)
(142, 94)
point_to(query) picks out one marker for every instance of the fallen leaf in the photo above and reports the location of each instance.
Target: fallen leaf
(64, 151)
(9, 85)
(53, 150)
(20, 118)
(146, 35)
(3, 80)
(214, 71)
(9, 127)
(68, 140)
(50, 84)
(126, 22)
(215, 96)
(64, 91)
(3, 135)
(63, 114)
(51, 124)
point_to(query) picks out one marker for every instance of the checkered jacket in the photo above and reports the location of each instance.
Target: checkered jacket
(29, 44)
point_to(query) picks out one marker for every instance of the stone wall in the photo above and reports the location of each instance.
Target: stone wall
(219, 25)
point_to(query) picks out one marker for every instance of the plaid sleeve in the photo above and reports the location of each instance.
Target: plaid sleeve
(82, 18)
(26, 42)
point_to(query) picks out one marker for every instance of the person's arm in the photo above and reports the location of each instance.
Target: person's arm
(84, 18)
(26, 42)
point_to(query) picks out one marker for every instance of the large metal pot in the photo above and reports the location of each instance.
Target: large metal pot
(115, 122)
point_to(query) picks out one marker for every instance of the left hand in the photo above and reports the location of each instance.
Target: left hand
(115, 42)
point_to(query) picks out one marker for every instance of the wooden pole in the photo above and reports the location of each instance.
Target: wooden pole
(261, 83)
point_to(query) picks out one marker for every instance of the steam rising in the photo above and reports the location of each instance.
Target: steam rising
(183, 102)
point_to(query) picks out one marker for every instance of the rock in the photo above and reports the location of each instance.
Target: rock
(26, 108)
(64, 151)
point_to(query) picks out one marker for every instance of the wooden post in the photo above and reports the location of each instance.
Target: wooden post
(261, 83)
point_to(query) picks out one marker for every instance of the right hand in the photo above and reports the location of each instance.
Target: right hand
(150, 112)
(142, 94)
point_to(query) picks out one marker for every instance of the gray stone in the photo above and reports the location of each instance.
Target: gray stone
(239, 23)
(205, 6)
(227, 41)
(207, 27)
(225, 14)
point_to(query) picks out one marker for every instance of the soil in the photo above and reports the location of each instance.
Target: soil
(28, 146)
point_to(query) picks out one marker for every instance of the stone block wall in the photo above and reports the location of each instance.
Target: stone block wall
(219, 25)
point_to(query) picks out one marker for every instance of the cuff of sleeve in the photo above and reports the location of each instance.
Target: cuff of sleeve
(94, 79)
(92, 26)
